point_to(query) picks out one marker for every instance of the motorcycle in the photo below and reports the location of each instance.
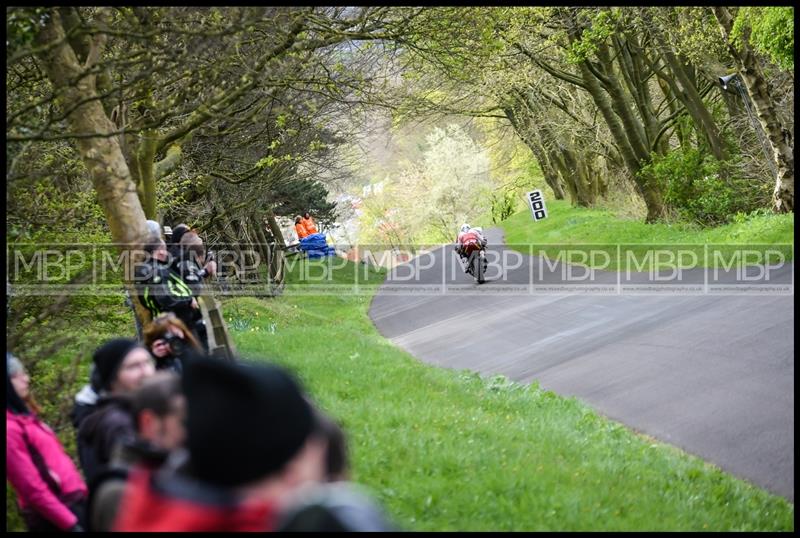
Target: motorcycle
(476, 261)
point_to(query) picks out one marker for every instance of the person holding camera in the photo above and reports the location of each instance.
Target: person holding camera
(169, 342)
(192, 254)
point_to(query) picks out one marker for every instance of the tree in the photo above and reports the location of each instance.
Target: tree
(130, 86)
(779, 137)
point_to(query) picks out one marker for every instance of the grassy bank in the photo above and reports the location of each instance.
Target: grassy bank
(581, 229)
(447, 450)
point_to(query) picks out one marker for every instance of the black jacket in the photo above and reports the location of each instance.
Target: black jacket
(110, 424)
(107, 488)
(191, 273)
(161, 289)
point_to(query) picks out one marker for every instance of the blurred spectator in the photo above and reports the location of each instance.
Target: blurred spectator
(122, 365)
(309, 224)
(334, 507)
(252, 442)
(86, 399)
(159, 411)
(337, 466)
(168, 340)
(50, 491)
(300, 228)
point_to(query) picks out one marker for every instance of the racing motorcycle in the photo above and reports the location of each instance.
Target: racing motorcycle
(475, 256)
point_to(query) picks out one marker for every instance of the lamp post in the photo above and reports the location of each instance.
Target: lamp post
(735, 81)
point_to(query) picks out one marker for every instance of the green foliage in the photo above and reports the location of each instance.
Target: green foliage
(51, 192)
(429, 198)
(22, 25)
(601, 28)
(296, 196)
(693, 32)
(771, 32)
(503, 204)
(702, 189)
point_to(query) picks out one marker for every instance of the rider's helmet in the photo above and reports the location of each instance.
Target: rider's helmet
(464, 228)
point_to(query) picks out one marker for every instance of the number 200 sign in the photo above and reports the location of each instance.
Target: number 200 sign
(536, 202)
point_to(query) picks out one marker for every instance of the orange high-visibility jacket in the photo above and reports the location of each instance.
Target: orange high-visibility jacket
(301, 230)
(311, 226)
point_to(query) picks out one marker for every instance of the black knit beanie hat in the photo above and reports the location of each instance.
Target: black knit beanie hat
(108, 358)
(244, 421)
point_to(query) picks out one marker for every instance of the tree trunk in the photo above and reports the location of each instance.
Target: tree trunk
(779, 137)
(550, 175)
(575, 173)
(278, 265)
(629, 55)
(101, 155)
(145, 157)
(683, 87)
(263, 248)
(621, 104)
(683, 138)
(649, 191)
(275, 229)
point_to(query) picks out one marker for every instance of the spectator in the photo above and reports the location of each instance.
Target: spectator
(252, 442)
(334, 507)
(336, 460)
(159, 411)
(338, 506)
(312, 242)
(300, 228)
(161, 289)
(173, 245)
(122, 365)
(168, 340)
(86, 399)
(191, 254)
(309, 224)
(50, 491)
(153, 231)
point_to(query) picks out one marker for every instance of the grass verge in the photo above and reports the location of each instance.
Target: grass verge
(765, 237)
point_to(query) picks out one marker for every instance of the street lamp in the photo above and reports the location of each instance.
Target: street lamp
(725, 80)
(735, 80)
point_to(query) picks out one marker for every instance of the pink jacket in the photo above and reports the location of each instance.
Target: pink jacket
(32, 490)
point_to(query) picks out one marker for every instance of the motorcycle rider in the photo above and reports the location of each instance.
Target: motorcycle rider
(468, 237)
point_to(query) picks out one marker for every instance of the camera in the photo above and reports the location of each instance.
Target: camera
(176, 343)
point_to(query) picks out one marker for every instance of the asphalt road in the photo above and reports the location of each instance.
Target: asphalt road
(709, 372)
